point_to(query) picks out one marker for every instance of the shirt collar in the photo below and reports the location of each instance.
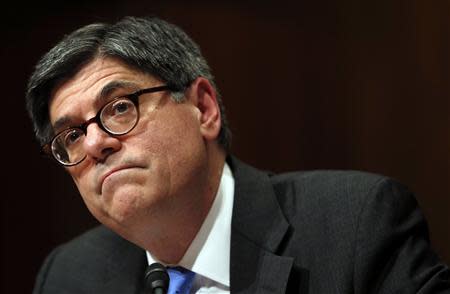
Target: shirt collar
(209, 253)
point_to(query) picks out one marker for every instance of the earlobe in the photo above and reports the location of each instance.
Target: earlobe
(205, 99)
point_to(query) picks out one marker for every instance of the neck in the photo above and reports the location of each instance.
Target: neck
(171, 236)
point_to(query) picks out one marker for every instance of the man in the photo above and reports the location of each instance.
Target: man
(132, 113)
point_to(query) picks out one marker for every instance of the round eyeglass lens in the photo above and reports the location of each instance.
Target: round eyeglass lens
(119, 116)
(67, 147)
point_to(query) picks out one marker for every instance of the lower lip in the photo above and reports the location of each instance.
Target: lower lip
(113, 173)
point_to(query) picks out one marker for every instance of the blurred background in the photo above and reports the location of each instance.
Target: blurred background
(307, 85)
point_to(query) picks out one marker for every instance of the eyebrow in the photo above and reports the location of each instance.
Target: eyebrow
(111, 87)
(100, 99)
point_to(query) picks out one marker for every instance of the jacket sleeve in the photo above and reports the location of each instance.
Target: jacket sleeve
(393, 252)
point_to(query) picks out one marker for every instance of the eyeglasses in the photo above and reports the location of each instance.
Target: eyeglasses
(117, 117)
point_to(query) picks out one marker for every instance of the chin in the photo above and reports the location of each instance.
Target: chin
(124, 206)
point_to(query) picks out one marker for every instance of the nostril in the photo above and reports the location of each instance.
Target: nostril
(107, 151)
(103, 155)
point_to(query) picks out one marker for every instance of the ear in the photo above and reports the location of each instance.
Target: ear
(204, 97)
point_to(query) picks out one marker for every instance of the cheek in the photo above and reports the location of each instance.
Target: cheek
(174, 148)
(84, 182)
(82, 176)
(172, 135)
(94, 202)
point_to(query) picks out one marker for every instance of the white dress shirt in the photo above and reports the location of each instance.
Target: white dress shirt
(209, 253)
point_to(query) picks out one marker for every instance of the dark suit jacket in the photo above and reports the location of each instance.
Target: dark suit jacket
(312, 232)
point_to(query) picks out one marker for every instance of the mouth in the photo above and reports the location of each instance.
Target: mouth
(112, 171)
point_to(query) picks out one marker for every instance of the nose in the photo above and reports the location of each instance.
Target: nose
(98, 145)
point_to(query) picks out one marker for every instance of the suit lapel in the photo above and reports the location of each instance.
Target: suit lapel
(258, 227)
(255, 270)
(129, 278)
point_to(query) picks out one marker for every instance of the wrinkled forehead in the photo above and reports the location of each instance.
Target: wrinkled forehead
(97, 80)
(93, 85)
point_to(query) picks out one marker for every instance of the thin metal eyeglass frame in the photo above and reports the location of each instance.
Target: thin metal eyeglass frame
(133, 97)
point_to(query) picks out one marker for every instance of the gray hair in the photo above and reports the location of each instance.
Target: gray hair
(149, 45)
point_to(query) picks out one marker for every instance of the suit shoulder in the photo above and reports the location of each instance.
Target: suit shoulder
(327, 176)
(94, 242)
(97, 242)
(333, 191)
(92, 239)
(86, 260)
(334, 182)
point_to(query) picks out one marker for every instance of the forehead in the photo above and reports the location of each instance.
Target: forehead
(92, 84)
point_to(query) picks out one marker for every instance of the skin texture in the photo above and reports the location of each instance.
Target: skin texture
(154, 185)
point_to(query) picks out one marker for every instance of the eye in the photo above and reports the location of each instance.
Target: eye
(121, 107)
(72, 137)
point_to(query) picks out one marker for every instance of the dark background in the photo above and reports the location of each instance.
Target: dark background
(308, 85)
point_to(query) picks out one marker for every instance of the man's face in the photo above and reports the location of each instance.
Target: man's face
(156, 167)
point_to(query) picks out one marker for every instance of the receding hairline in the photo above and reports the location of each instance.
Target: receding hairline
(104, 94)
